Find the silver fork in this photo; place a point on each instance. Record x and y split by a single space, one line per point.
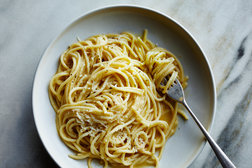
176 93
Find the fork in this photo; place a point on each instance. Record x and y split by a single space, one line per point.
176 93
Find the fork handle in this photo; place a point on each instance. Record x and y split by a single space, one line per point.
224 160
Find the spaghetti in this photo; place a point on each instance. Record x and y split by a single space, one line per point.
106 103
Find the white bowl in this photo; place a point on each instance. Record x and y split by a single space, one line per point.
183 147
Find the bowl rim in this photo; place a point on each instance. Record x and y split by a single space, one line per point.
133 6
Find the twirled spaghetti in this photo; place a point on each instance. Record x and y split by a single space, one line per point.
106 103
